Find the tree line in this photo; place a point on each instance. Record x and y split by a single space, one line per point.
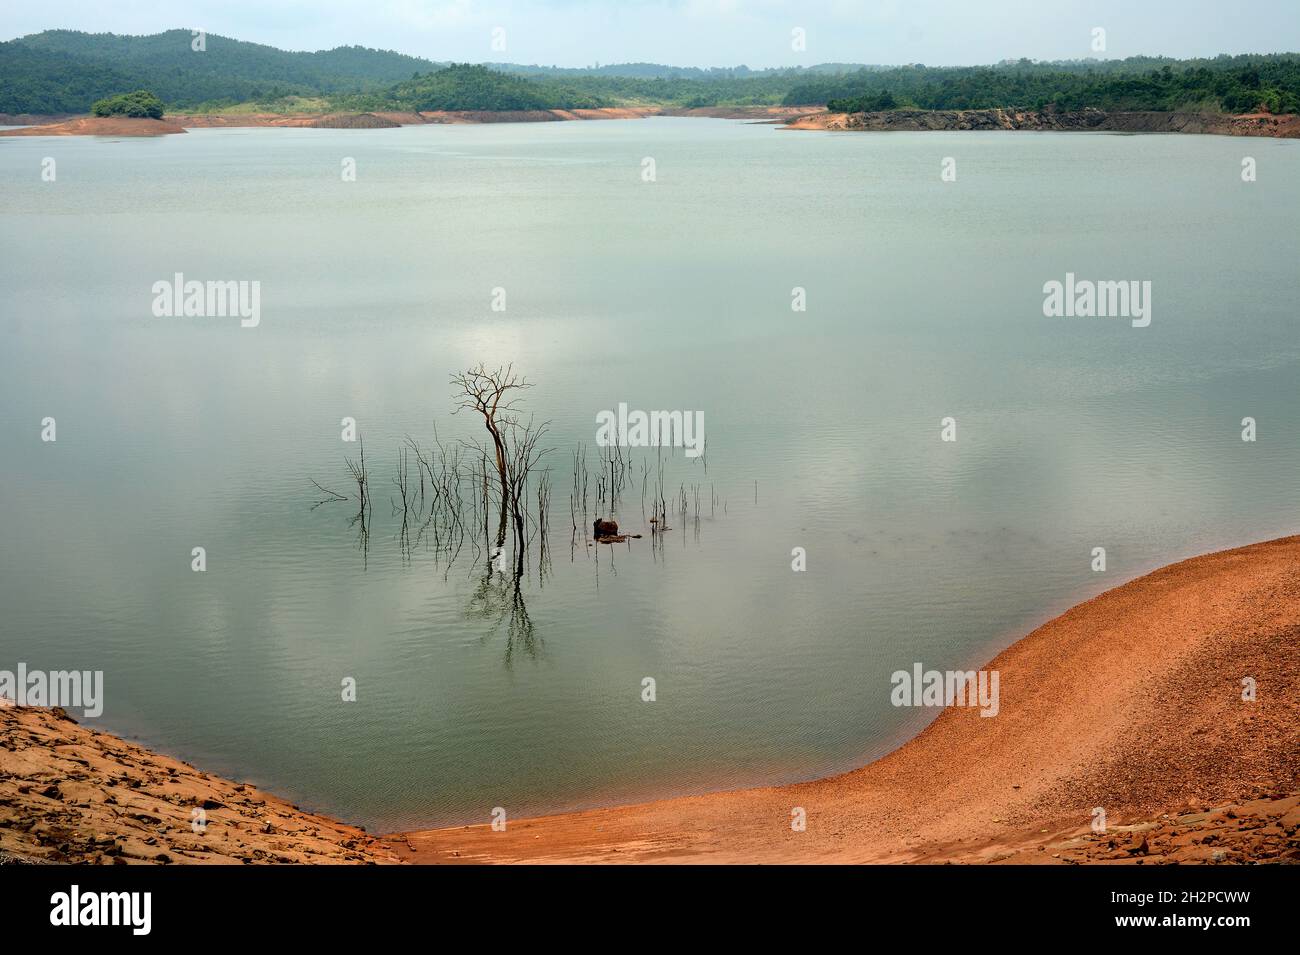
63 71
1225 84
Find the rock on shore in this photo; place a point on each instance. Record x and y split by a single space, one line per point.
354 121
71 794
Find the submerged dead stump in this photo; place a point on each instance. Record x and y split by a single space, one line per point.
606 532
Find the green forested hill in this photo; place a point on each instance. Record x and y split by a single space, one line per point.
37 81
463 86
64 71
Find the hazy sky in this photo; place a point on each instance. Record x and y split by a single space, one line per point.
702 32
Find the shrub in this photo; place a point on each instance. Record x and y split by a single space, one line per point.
140 104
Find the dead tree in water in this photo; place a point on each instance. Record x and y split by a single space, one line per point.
487 393
524 455
361 476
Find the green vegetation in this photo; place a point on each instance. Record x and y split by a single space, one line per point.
1233 84
32 81
463 86
141 105
739 87
1224 84
866 103
62 71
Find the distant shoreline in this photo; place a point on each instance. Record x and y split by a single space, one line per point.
34 125
114 126
788 117
1083 120
1131 701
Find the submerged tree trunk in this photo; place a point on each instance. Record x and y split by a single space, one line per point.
486 393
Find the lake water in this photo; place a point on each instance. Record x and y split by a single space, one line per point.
924 300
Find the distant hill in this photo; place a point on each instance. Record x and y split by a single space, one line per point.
41 81
464 86
65 71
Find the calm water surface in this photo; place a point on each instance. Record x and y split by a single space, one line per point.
924 300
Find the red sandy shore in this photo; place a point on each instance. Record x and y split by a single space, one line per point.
124 126
465 117
100 126
1131 701
411 118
